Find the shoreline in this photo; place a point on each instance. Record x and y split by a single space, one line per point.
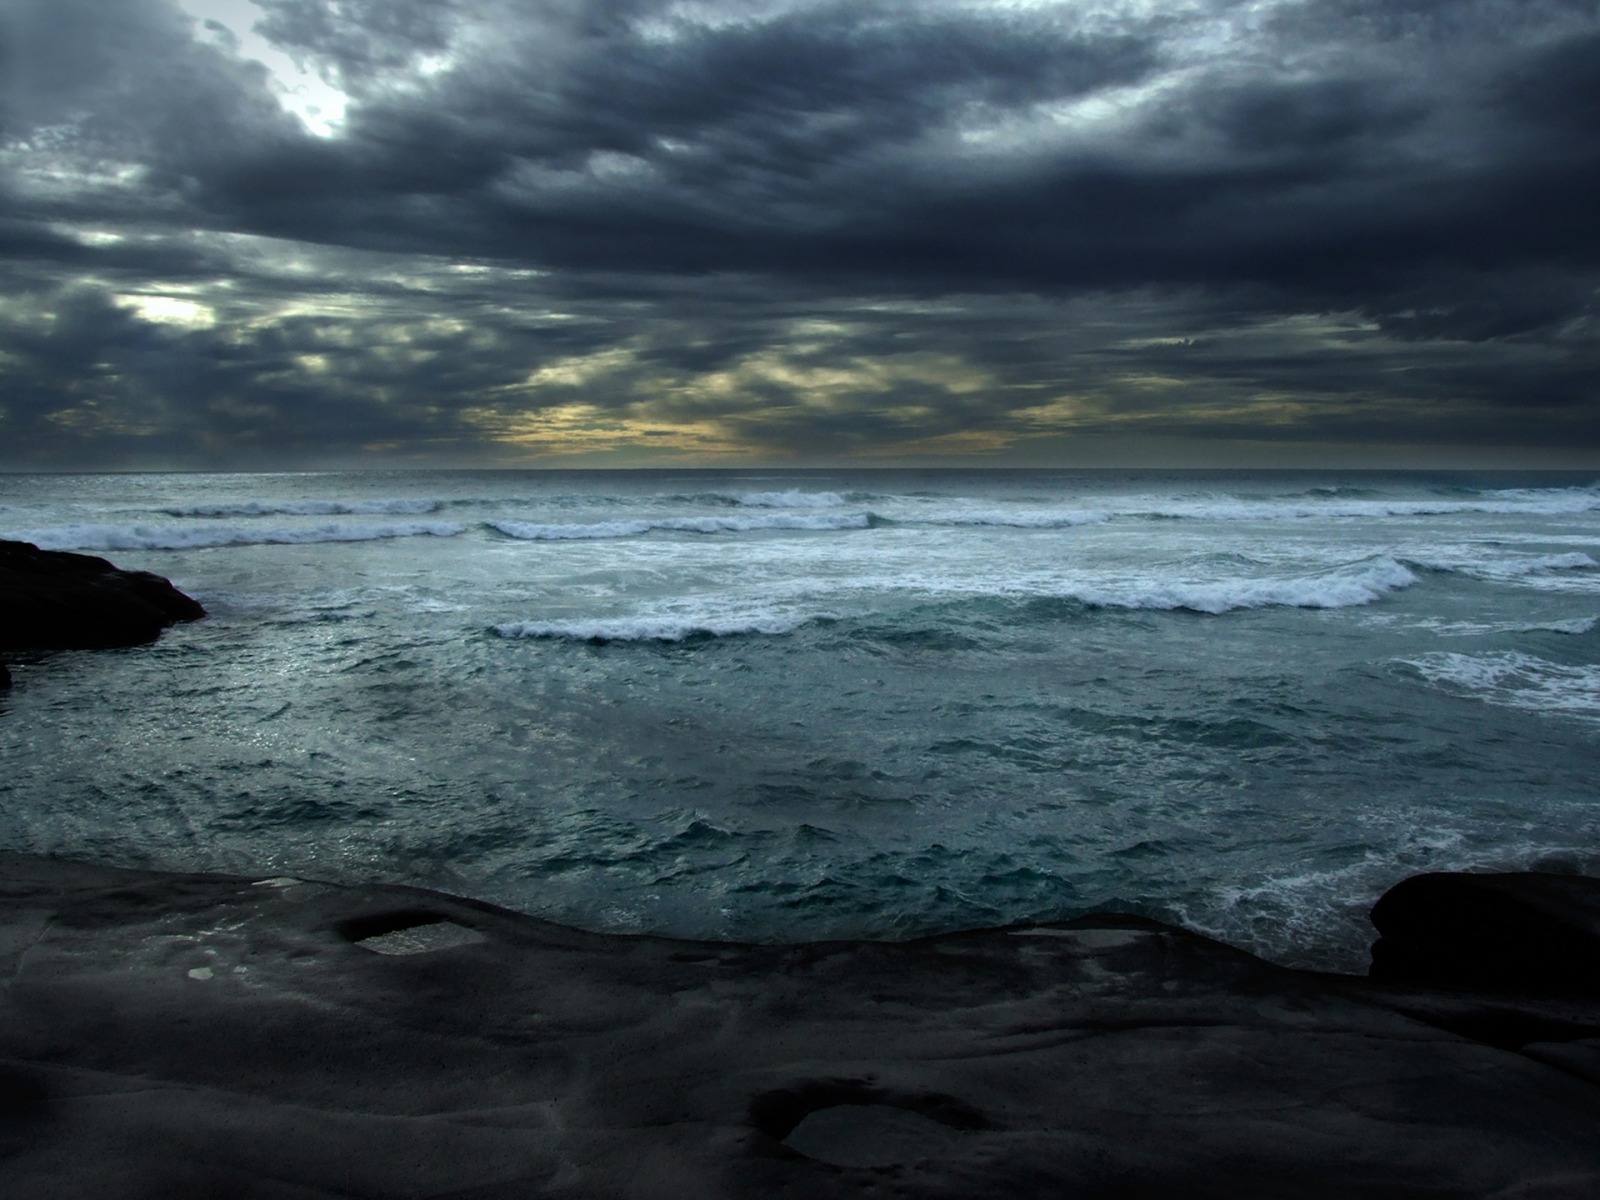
184 1035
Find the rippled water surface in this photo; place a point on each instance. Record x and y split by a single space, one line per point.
789 705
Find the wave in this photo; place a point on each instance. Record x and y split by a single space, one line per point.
1564 502
1573 626
651 629
1020 519
1510 567
1334 505
599 530
1338 590
790 499
1331 591
206 537
594 531
1577 625
1575 561
1544 570
305 508
1516 680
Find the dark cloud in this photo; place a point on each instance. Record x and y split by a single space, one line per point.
355 40
817 229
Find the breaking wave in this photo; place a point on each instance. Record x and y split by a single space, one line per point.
1516 680
789 499
1017 519
732 619
305 508
1527 502
1337 590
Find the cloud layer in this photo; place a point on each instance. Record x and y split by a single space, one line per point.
294 232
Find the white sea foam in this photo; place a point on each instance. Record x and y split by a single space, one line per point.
208 536
306 508
1517 680
1335 590
540 532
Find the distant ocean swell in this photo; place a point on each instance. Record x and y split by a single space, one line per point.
210 537
207 525
199 534
306 508
537 532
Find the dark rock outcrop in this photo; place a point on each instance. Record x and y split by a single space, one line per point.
52 600
1522 932
185 1036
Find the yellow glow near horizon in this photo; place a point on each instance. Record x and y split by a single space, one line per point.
584 429
724 412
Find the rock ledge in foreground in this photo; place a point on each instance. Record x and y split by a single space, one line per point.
186 1036
53 600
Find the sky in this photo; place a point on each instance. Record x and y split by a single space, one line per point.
264 234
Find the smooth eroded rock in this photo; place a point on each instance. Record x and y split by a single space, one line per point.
53 600
187 1036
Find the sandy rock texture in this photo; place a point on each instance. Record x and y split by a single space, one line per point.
187 1036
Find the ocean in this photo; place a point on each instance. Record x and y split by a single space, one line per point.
790 705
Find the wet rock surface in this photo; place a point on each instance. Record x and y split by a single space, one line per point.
53 600
176 1036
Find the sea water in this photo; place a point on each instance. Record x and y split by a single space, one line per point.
791 705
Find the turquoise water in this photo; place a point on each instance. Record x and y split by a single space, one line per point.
792 705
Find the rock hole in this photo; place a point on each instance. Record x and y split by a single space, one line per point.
854 1123
870 1135
407 931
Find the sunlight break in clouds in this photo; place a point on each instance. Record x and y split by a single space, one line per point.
230 25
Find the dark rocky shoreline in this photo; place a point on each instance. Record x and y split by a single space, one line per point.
200 1035
54 600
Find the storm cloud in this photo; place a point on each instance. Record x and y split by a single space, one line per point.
302 232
